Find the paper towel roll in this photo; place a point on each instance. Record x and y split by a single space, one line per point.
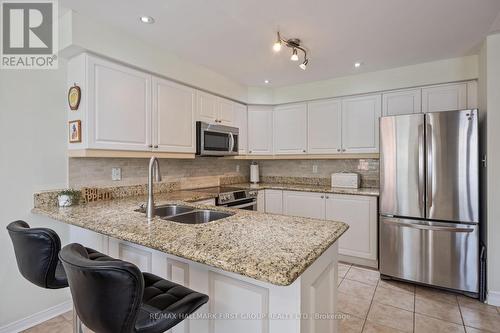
254 173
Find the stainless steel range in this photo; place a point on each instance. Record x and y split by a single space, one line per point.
234 197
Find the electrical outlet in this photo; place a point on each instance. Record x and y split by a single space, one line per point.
315 168
116 173
237 168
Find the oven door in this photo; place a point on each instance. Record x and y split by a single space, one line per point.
249 204
216 140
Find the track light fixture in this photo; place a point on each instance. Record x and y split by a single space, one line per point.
294 44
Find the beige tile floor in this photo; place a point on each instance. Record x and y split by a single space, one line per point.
371 305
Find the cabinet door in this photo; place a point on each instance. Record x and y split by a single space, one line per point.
402 102
360 212
261 201
173 117
290 129
226 112
360 124
304 204
207 107
260 130
324 132
119 106
446 97
140 256
274 201
240 121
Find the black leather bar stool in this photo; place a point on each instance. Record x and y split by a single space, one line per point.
37 251
112 295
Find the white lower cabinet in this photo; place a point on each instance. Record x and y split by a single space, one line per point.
360 212
261 201
274 201
313 292
304 204
360 243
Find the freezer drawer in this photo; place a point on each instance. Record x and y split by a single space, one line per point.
435 253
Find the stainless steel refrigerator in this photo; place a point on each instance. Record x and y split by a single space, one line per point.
429 200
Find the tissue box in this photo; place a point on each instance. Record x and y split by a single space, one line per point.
344 179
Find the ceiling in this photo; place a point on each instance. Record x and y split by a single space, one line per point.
235 37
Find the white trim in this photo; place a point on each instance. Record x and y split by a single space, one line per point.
493 298
37 318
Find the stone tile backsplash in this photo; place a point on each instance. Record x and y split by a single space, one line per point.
303 169
208 171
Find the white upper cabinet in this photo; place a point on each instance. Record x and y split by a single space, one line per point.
241 121
214 109
360 212
304 204
173 117
446 97
207 107
360 124
260 130
226 112
290 129
402 102
119 106
324 127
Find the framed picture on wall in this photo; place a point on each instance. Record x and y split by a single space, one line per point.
75 131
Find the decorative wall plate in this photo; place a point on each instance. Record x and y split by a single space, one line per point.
74 96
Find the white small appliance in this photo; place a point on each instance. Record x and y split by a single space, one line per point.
254 173
345 179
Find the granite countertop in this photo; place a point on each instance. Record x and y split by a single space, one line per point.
271 248
309 188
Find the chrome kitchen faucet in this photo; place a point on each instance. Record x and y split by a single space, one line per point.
154 167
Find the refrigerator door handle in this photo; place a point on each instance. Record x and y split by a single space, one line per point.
421 169
423 226
430 165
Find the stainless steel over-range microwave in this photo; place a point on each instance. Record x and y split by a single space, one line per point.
216 140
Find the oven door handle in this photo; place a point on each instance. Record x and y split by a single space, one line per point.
253 203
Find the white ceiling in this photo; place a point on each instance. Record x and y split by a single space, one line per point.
234 37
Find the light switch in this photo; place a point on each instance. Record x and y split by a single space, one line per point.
116 173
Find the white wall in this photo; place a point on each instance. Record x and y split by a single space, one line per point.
32 157
81 33
492 98
448 70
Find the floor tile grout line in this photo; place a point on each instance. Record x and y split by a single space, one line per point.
369 308
414 309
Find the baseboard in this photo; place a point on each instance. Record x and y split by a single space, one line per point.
493 298
358 261
37 318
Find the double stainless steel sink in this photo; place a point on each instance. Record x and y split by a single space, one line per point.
187 215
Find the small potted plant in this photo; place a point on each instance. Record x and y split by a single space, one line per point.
68 197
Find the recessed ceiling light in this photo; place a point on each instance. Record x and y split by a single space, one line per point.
357 64
147 19
266 81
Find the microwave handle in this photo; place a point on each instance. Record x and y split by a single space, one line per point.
231 142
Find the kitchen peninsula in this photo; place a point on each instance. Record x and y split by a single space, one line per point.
262 272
